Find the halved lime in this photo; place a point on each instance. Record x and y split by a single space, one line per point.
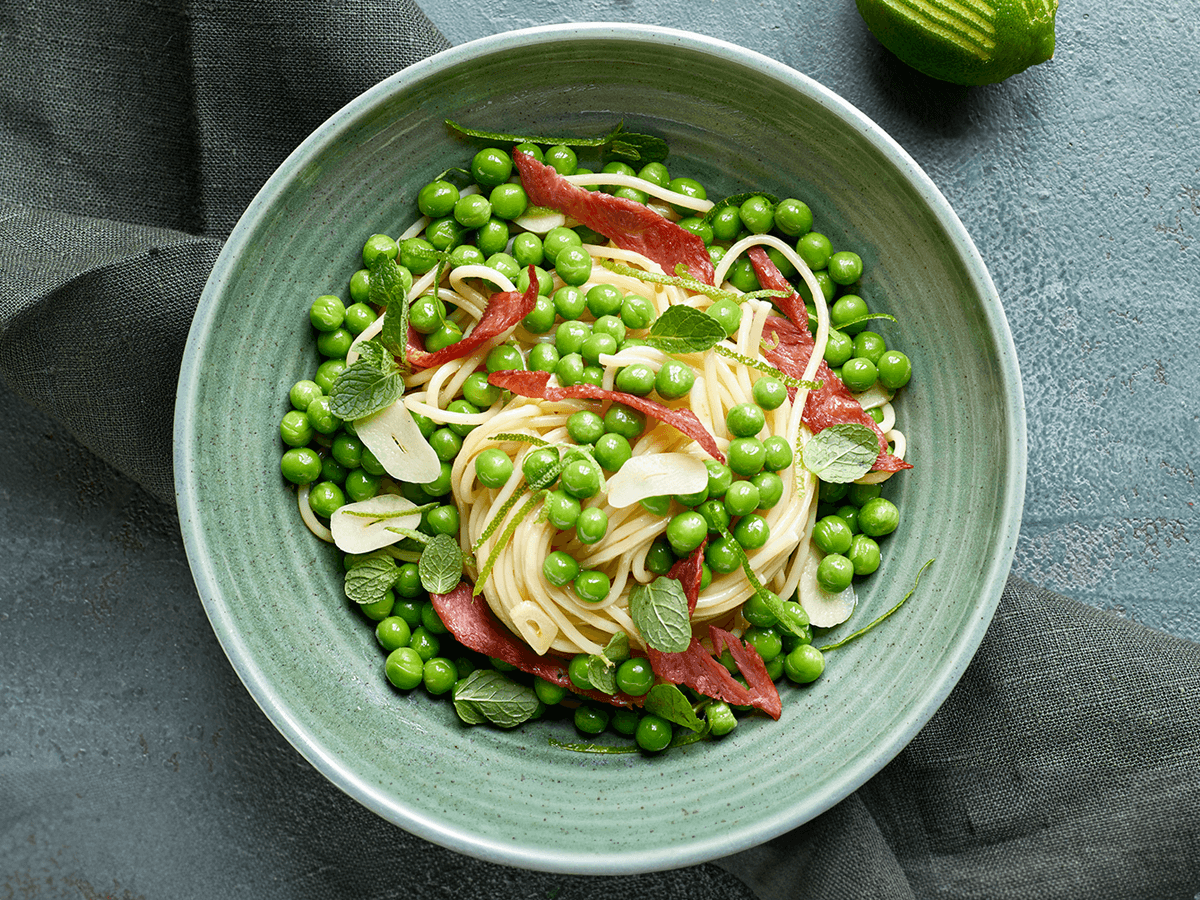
964 41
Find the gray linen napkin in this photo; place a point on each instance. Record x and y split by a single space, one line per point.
1065 764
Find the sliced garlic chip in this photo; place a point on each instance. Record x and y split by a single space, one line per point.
655 474
369 524
394 437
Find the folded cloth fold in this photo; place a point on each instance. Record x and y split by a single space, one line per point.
1065 764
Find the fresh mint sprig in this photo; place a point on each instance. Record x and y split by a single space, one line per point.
660 613
488 696
371 384
841 453
628 146
684 329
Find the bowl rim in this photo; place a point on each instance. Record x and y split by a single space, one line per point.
427 826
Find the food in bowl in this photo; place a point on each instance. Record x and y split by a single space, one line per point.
591 441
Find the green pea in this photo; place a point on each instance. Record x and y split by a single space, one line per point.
592 525
846 309
445 234
660 557
508 201
635 677
778 453
360 286
332 470
859 374
559 568
569 302
770 489
492 237
590 719
562 511
695 498
751 532
832 535
379 609
437 198
527 249
653 733
478 391
585 427
592 585
878 517
570 336
581 478
863 554
597 345
300 465
804 664
561 159
845 267
505 265
746 456
504 358
439 485
757 215
335 344
766 641
611 326
404 668
361 485
604 300
742 275
613 451
325 498
445 444
542 358
347 451
895 370
742 498
636 378
472 211
726 223
392 633
636 311
689 187
493 468
303 393
835 573
715 514
674 380
378 245
408 586
869 345
418 255
625 421
757 612
849 515
745 420
439 675
839 348
446 334
698 227
425 643
491 166
574 265
815 249
328 372
558 239
658 506
793 217
548 692
321 418
720 477
538 466
727 313
536 152
569 369
686 531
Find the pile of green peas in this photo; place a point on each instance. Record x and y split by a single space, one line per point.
575 324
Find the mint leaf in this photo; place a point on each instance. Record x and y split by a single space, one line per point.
841 453
440 567
617 650
684 329
371 384
602 674
660 612
738 200
669 702
488 694
627 146
370 579
389 286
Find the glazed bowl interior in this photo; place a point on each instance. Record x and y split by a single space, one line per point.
737 122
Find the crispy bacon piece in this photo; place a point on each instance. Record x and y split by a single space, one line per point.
627 223
698 669
536 384
688 572
473 625
503 311
790 345
763 693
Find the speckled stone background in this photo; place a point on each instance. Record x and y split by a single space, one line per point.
139 751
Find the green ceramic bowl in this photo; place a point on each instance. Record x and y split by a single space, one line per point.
273 593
